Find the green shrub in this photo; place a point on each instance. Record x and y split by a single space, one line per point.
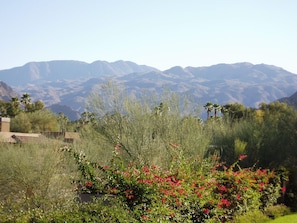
255 216
277 211
185 192
97 211
34 176
145 127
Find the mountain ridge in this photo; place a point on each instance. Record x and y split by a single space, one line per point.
70 82
36 72
6 92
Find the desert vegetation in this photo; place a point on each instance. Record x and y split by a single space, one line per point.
153 159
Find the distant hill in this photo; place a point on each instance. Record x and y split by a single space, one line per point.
68 83
6 92
292 100
39 72
71 114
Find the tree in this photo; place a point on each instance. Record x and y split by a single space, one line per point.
234 110
88 117
3 107
209 107
37 106
26 101
39 121
63 121
21 123
13 107
43 121
279 141
216 108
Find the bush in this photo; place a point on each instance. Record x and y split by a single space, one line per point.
255 216
184 192
96 211
34 176
277 211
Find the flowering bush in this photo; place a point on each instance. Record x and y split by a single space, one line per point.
185 192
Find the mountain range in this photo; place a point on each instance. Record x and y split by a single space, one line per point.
6 92
64 85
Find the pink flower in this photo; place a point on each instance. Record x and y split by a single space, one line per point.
242 157
283 189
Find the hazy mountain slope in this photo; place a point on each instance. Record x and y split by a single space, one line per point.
71 114
70 82
242 82
40 72
292 100
6 92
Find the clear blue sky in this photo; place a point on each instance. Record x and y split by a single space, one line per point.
158 33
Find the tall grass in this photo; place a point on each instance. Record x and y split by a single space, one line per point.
34 176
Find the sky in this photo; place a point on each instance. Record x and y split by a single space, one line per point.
157 33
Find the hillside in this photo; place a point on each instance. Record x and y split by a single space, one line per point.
70 82
292 100
6 92
39 72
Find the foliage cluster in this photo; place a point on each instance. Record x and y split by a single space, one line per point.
27 116
15 106
163 166
34 177
184 192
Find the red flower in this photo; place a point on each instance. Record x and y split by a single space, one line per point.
145 217
261 184
198 194
223 188
206 211
225 202
178 203
129 194
145 169
283 189
89 184
182 192
242 157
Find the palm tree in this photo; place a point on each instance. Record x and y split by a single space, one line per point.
209 107
15 102
216 108
26 100
88 117
62 120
